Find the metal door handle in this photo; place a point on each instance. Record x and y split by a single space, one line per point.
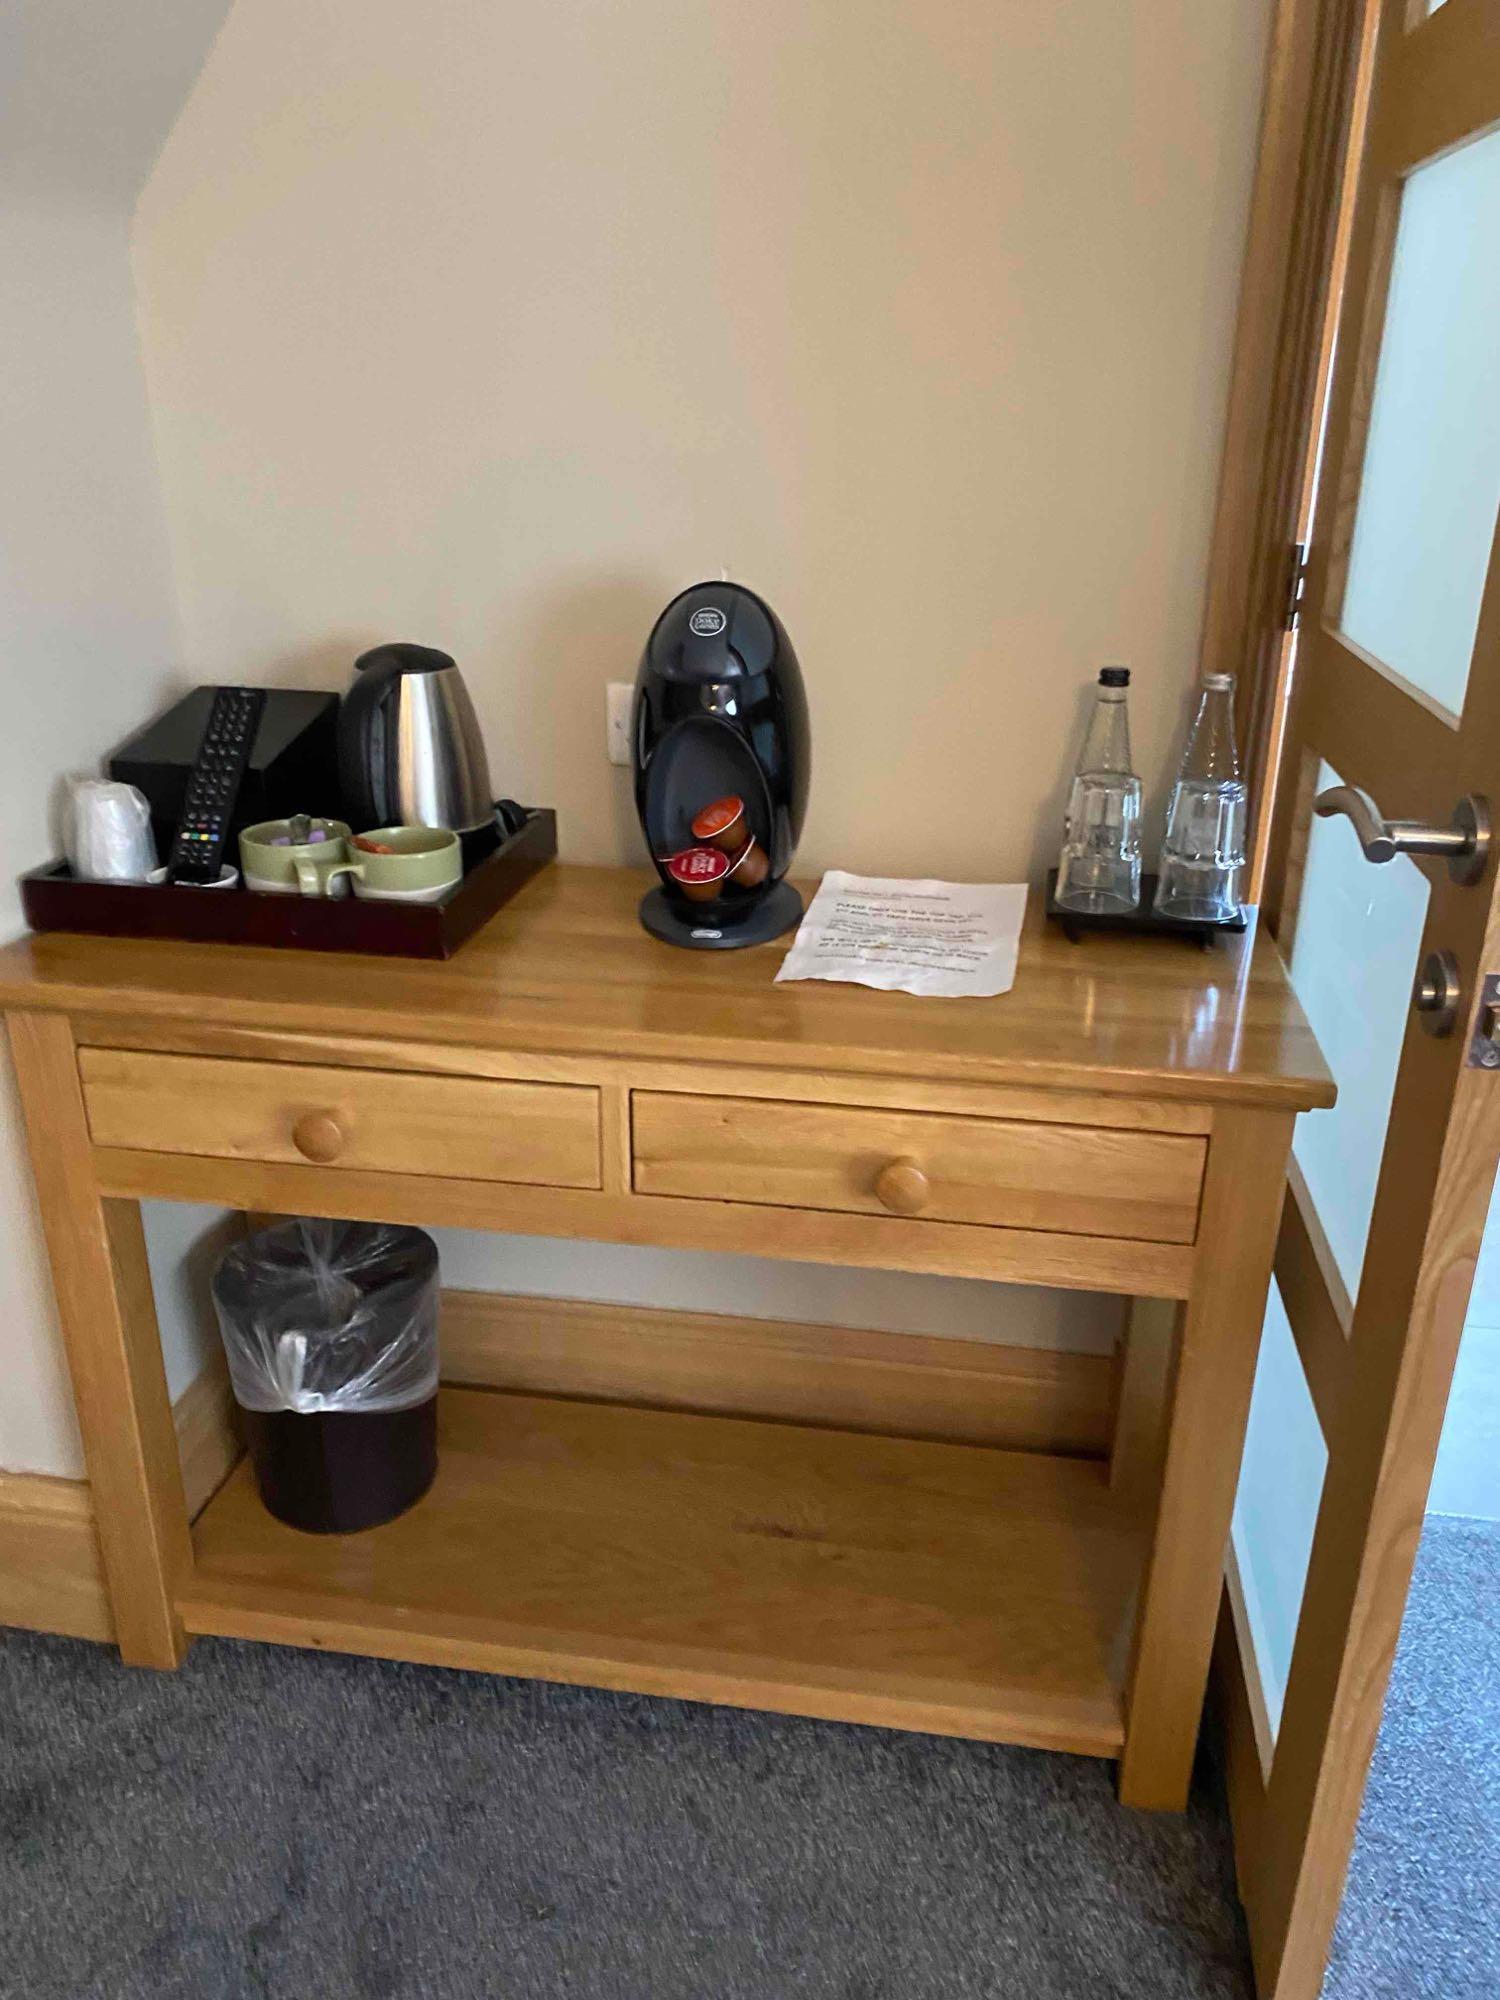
1465 842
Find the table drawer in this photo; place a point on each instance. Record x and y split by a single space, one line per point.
1075 1179
465 1128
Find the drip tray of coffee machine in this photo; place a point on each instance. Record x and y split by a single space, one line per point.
769 917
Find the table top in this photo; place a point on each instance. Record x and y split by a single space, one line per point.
566 968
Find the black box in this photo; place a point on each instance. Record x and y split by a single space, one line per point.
293 763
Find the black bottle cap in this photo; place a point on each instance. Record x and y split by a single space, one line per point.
1114 677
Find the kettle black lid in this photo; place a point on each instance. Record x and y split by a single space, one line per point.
402 657
714 632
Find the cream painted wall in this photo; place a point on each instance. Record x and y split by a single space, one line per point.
494 326
88 629
766 1288
89 644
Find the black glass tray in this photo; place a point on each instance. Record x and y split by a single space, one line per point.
1142 921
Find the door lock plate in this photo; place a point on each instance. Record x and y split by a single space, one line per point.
1435 995
1484 1049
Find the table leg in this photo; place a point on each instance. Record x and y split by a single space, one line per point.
97 1251
1215 1371
1143 1396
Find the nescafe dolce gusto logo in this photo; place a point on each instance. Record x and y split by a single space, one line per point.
708 621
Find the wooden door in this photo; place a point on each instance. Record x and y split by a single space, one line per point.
1395 717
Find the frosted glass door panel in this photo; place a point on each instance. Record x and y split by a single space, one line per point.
1354 958
1276 1508
1431 480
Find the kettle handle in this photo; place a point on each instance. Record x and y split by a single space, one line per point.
366 732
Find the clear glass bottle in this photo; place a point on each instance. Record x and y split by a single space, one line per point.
1099 868
1203 854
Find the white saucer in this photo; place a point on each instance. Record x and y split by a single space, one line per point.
259 885
227 878
436 893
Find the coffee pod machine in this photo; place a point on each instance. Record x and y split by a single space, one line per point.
720 748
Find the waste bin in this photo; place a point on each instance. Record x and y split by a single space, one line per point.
331 1333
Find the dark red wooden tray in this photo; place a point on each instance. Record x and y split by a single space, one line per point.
53 901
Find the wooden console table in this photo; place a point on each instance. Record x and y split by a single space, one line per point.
1119 1122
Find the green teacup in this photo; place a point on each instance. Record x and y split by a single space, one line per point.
310 868
426 864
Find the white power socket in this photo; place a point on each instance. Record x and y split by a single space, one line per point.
618 697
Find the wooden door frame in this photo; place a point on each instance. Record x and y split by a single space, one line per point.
1282 345
1382 1416
1296 243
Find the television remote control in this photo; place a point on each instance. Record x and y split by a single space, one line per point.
214 784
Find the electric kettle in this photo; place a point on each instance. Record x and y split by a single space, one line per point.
410 751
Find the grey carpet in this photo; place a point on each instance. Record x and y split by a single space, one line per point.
268 1822
1421 1915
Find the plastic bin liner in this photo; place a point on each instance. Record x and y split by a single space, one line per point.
322 1316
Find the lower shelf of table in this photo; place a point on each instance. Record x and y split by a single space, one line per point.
949 1588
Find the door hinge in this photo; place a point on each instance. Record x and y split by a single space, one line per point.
1296 585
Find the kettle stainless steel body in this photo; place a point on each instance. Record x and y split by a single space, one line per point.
410 751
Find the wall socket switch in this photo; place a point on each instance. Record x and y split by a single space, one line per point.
618 697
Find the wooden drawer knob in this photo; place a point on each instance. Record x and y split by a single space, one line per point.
902 1187
318 1136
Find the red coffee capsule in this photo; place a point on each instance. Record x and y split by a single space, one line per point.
751 867
698 872
723 825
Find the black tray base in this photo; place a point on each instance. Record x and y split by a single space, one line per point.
1142 921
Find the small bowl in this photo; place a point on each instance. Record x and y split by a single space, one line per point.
405 864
